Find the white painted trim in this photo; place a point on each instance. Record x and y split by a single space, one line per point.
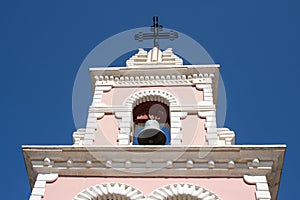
162 95
225 136
211 135
262 188
78 137
38 190
85 137
254 179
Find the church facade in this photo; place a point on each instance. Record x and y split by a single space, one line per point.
151 133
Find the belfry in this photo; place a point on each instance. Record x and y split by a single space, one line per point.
151 133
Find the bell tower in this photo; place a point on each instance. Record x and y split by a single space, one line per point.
153 102
151 133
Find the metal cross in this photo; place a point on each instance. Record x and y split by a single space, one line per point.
156 34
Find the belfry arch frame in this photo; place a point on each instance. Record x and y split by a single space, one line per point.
154 94
151 95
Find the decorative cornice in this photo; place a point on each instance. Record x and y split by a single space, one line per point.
149 83
153 161
150 80
155 75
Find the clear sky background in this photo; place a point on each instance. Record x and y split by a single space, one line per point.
43 43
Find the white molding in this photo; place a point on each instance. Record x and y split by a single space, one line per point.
159 82
225 136
78 137
254 179
107 190
211 135
38 190
153 80
149 95
183 191
98 92
49 178
262 188
208 97
86 136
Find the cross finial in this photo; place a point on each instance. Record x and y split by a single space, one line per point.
156 34
155 21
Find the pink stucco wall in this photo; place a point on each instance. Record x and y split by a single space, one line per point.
65 188
185 95
107 131
193 130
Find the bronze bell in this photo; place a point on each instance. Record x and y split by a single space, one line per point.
151 134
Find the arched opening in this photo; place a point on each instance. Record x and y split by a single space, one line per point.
128 128
151 124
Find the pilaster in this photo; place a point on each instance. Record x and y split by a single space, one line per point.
86 136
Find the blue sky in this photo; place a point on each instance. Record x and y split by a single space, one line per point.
43 44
